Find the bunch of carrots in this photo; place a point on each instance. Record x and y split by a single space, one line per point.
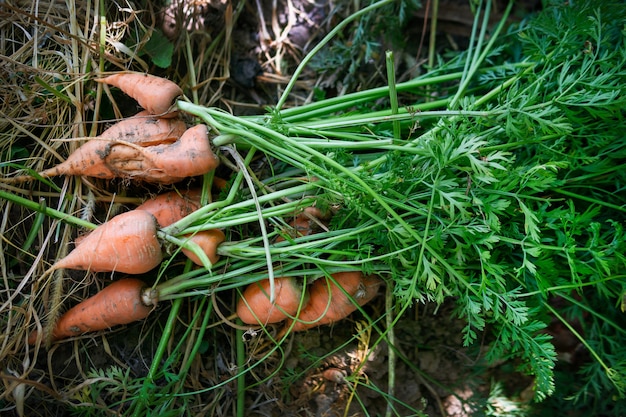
155 146
325 301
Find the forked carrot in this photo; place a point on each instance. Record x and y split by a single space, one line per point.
328 303
145 129
189 156
91 158
124 301
155 94
126 243
208 240
254 306
163 163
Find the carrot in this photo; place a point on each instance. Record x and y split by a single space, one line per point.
126 243
145 129
189 156
90 159
167 208
162 163
219 184
254 306
87 160
305 223
155 94
208 240
328 303
170 207
122 302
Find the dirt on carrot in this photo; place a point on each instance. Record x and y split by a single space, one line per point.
189 156
328 303
124 301
254 306
164 163
146 130
127 243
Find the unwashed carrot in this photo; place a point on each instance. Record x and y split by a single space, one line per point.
254 306
87 160
189 156
208 240
328 303
126 243
163 163
155 94
170 207
124 301
91 158
145 129
167 208
309 221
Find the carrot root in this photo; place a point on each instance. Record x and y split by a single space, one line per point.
155 94
208 240
254 306
163 163
329 304
170 207
189 156
127 243
124 301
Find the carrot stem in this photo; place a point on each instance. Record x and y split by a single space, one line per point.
321 44
42 208
268 257
393 94
241 376
158 356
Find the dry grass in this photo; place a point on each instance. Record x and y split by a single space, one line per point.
51 52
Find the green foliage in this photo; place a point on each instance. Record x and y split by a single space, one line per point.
159 49
517 195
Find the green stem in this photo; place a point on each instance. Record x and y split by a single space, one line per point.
393 94
336 104
43 208
158 356
391 353
321 44
241 376
580 338
589 199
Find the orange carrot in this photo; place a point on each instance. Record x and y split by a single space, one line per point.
305 223
170 207
328 303
219 183
155 94
208 240
122 302
87 160
126 243
254 306
90 159
145 129
163 163
189 156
